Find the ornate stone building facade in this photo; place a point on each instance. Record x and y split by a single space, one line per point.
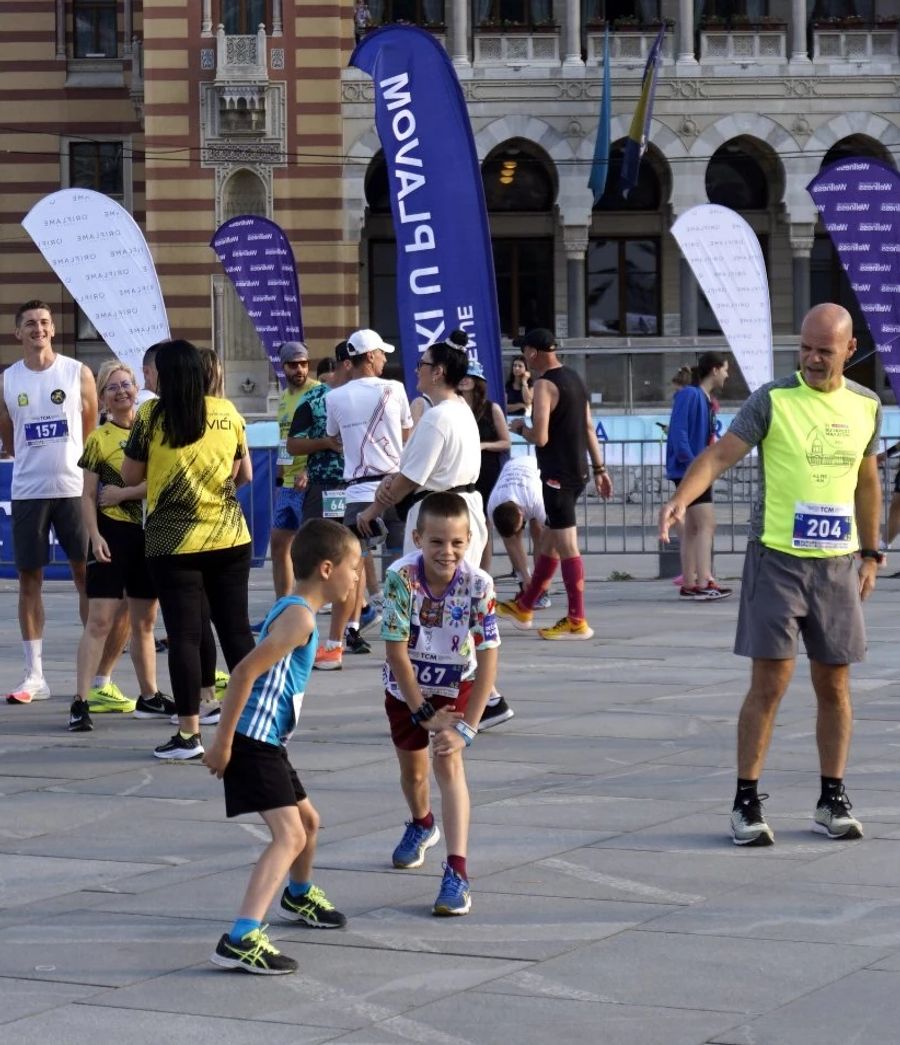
190 113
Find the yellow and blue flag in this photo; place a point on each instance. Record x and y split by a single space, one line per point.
638 134
600 166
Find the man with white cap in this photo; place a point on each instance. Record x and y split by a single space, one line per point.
287 514
371 416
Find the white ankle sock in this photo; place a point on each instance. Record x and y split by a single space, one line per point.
101 680
34 664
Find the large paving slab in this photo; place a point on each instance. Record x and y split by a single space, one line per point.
609 905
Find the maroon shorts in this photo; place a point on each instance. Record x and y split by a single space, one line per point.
409 737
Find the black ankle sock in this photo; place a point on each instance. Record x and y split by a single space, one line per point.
746 789
831 786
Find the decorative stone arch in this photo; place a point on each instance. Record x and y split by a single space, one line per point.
359 156
243 190
531 129
867 124
744 125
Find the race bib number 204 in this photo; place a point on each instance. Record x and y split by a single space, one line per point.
823 527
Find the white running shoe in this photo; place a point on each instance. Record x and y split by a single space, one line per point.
30 689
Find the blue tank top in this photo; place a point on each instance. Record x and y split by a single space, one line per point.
273 708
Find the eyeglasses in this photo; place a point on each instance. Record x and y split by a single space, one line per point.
122 386
424 362
297 362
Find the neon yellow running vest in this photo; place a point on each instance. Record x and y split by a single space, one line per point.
287 407
811 455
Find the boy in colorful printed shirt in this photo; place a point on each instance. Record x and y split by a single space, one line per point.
441 640
259 714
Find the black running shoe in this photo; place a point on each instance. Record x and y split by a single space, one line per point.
178 747
494 714
313 909
79 717
253 954
157 706
162 645
355 643
748 825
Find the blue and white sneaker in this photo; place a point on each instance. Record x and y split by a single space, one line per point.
454 897
369 617
543 602
411 850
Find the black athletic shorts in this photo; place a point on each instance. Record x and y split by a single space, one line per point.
259 777
704 498
127 573
559 504
31 522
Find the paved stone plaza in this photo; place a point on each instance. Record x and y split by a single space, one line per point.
609 905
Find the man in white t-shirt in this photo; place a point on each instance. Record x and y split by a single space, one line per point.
516 502
371 417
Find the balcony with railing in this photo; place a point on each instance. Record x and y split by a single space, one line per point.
839 44
241 59
516 45
742 43
629 42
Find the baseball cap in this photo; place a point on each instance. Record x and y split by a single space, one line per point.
292 350
475 370
362 341
541 338
340 352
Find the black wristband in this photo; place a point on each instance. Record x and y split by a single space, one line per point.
872 553
279 481
425 711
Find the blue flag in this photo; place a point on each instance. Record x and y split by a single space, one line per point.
258 259
445 266
639 132
600 167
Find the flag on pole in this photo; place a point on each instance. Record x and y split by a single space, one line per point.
600 166
638 134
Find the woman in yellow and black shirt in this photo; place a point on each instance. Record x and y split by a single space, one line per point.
189 448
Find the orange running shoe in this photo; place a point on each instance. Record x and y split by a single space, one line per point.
328 659
513 611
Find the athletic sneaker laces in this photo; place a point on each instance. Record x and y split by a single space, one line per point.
354 642
313 909
253 953
748 825
833 817
157 706
415 841
179 747
454 897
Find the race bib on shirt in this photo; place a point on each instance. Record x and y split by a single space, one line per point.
50 430
436 676
333 504
824 527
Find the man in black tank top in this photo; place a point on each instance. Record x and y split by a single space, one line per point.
563 435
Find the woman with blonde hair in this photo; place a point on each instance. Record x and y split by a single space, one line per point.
116 566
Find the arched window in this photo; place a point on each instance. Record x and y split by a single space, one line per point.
646 195
377 196
243 17
857 145
517 178
735 178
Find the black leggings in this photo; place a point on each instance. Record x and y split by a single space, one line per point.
194 589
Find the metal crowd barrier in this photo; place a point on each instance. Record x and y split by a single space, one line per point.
624 525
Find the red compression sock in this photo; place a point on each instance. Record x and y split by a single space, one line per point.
573 578
458 864
544 569
426 821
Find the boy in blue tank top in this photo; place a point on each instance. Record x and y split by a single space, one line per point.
259 713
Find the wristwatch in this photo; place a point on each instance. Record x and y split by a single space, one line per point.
873 553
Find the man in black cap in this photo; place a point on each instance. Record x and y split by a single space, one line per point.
287 513
562 432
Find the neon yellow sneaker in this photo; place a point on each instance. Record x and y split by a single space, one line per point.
565 628
513 611
252 953
109 698
222 678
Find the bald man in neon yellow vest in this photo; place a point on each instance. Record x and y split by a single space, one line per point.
812 556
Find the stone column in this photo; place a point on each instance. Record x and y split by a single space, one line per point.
277 19
127 28
206 26
684 44
687 296
799 49
573 63
575 241
61 29
460 26
802 237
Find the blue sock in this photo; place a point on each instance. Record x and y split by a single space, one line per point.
241 927
298 889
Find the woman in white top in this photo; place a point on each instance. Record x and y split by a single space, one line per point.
444 451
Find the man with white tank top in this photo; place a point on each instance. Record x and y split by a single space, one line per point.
47 407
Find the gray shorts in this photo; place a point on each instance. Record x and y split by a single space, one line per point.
784 596
394 542
31 522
